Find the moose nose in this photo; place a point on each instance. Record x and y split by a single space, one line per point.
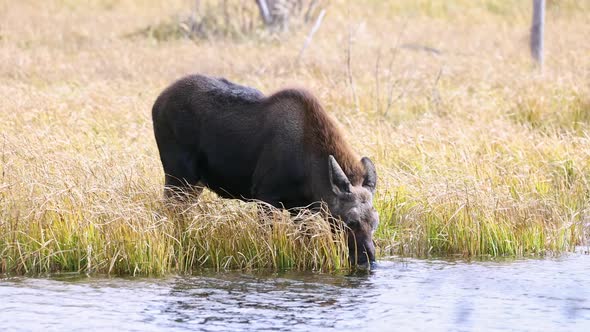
365 257
370 251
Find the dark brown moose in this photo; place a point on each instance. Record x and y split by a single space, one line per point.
283 150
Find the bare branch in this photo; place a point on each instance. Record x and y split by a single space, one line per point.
315 28
310 8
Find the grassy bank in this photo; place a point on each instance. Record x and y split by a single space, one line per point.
478 153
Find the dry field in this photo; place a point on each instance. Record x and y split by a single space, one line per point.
478 153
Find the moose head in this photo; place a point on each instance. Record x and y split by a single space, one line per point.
353 204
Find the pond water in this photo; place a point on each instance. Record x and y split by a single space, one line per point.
400 295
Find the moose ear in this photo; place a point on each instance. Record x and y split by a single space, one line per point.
370 180
338 180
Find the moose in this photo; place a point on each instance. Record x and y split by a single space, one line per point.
284 150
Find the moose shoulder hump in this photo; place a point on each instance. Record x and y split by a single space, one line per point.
322 133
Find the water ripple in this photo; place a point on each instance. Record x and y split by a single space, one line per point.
439 295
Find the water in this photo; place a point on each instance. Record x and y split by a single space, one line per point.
400 295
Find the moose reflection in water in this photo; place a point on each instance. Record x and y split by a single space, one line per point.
284 150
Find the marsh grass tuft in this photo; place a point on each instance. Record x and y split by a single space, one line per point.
208 20
233 20
148 236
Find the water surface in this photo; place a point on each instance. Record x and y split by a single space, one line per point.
401 294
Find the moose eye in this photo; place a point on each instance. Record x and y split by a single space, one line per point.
353 222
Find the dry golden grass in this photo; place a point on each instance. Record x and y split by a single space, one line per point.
477 152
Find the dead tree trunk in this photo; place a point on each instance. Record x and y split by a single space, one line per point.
537 30
265 12
276 14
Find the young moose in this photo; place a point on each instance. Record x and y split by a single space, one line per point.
283 150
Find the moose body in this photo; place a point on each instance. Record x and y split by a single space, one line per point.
283 149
